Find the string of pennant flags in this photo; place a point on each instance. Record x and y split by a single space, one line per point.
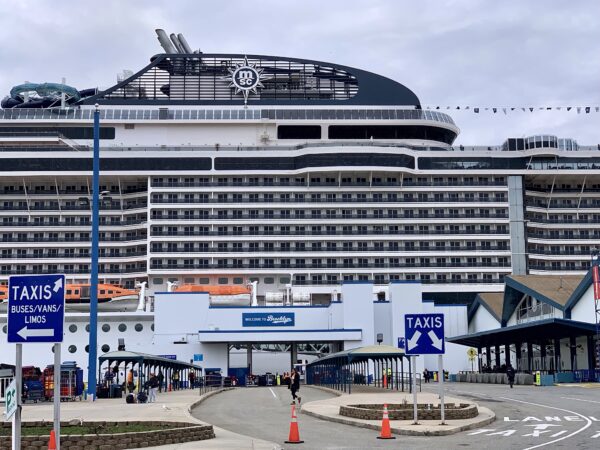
510 109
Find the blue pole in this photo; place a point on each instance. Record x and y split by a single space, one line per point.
93 343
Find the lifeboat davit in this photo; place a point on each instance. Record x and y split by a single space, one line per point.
221 295
77 298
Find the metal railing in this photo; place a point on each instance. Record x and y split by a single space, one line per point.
344 380
209 383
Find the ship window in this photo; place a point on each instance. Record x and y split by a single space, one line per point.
87 348
122 327
106 328
152 327
72 349
284 280
139 327
203 281
105 348
4 329
188 280
299 132
72 328
69 292
87 328
223 280
391 132
102 291
269 280
238 280
157 281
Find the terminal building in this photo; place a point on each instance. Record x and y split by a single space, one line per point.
239 186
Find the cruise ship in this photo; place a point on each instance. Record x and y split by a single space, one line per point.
290 175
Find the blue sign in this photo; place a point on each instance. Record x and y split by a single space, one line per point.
424 334
36 308
401 342
280 319
173 357
198 357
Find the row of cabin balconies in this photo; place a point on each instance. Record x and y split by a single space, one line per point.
50 189
584 202
564 219
55 221
560 265
543 234
329 263
424 278
325 214
330 230
82 253
67 206
68 238
329 198
325 181
68 269
331 247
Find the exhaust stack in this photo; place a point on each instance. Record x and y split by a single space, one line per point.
184 44
165 43
176 43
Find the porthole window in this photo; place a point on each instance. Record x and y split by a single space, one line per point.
72 349
87 328
105 327
122 327
105 348
4 329
87 348
152 327
139 327
73 328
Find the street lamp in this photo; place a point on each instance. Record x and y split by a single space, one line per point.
93 338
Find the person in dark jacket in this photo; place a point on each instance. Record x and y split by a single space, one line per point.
510 374
295 386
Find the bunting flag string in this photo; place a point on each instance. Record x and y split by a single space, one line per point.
509 109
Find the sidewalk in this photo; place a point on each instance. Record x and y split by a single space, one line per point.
329 410
170 406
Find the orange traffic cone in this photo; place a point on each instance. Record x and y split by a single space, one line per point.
386 431
294 437
52 442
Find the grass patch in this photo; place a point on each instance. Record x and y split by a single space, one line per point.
87 429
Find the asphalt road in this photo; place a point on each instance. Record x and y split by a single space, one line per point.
527 418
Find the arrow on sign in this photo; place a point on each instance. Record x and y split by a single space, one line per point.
38 332
435 341
58 284
412 342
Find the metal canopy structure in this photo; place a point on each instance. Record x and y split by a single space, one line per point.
537 331
344 369
146 364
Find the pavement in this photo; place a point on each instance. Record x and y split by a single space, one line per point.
527 417
172 406
328 409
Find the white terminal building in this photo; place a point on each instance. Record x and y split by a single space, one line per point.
270 205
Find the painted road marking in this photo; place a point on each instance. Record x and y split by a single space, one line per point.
580 400
274 395
585 427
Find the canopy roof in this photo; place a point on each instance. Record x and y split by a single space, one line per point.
372 352
537 331
145 358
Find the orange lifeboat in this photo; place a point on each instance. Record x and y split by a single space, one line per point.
221 295
77 297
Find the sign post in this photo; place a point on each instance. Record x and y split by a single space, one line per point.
36 314
425 336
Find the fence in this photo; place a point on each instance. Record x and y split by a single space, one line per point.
211 383
4 382
345 380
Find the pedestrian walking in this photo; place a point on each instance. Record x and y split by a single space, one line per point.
130 385
160 378
176 380
152 388
510 374
295 386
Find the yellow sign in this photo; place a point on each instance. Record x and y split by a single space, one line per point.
471 353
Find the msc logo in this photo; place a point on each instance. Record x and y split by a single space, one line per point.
245 77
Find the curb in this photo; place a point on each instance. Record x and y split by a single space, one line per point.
203 398
326 389
402 431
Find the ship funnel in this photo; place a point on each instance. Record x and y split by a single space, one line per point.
164 41
142 300
184 44
176 43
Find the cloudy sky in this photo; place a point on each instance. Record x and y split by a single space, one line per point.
482 53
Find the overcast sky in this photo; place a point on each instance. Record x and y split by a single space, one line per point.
449 52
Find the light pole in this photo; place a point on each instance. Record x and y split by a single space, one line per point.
93 342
